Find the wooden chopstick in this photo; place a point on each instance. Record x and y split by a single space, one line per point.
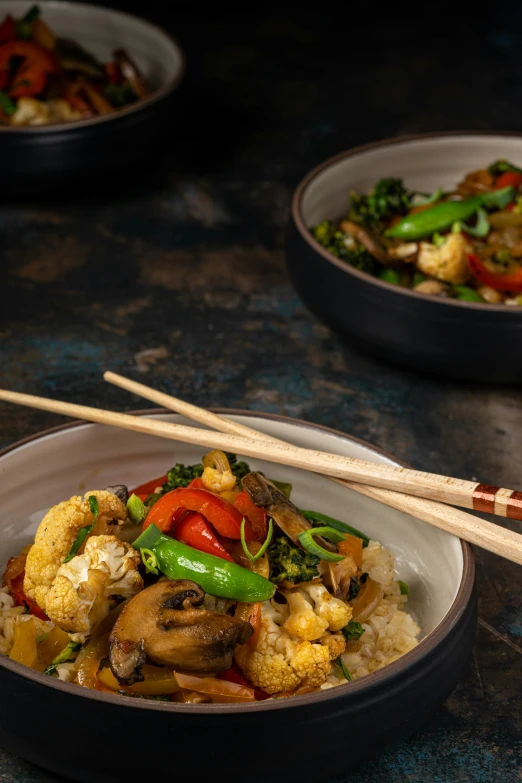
412 482
480 532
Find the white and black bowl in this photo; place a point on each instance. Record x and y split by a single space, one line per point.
96 737
478 342
72 152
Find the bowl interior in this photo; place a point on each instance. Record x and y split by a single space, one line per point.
424 164
51 468
101 30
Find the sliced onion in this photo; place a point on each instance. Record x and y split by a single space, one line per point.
218 690
90 657
367 601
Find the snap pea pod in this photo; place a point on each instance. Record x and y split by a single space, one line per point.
442 216
213 574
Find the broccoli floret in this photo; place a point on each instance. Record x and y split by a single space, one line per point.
335 242
119 94
388 198
289 562
501 166
353 630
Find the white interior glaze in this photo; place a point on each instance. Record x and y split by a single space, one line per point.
101 30
423 164
45 471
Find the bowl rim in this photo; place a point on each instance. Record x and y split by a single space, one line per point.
139 105
424 648
391 141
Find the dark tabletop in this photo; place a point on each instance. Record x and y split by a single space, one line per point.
177 278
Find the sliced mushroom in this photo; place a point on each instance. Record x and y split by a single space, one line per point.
264 494
370 242
165 623
120 490
75 58
130 72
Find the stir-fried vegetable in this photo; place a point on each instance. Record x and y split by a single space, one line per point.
291 563
45 78
215 575
463 244
308 542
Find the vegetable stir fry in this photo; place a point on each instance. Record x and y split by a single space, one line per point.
46 79
464 244
205 585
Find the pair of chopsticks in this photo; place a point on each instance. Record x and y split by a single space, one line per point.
422 495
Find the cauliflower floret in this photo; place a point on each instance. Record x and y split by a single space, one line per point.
56 534
281 664
83 590
335 642
448 262
334 612
302 621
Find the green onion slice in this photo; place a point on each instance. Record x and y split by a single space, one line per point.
306 539
83 532
263 549
405 590
420 200
136 509
150 561
148 538
339 661
315 516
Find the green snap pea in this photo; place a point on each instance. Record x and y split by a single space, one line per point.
389 276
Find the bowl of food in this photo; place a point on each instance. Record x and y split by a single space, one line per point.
84 90
200 606
412 249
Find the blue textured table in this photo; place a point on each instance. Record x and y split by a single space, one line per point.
177 278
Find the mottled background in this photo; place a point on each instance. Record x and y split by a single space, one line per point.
175 276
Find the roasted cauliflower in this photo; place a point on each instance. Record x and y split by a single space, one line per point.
449 262
57 532
313 610
84 589
280 663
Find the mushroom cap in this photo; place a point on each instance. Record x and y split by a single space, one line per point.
165 623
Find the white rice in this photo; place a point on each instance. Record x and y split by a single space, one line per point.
390 632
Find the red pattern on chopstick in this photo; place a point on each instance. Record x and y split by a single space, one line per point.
484 498
514 506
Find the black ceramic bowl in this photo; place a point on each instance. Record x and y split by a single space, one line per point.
99 738
69 153
477 342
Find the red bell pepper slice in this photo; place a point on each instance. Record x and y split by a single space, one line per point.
508 179
17 591
149 486
234 674
220 513
255 515
31 75
7 30
510 281
194 530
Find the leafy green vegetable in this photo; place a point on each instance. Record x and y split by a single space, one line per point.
136 509
501 166
418 277
83 532
335 242
389 276
353 631
7 105
150 561
466 294
405 590
341 664
262 549
119 95
290 562
388 198
66 656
